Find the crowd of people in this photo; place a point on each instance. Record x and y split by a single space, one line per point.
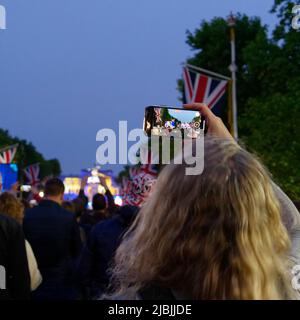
66 248
229 233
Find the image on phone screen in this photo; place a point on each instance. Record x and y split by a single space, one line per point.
163 121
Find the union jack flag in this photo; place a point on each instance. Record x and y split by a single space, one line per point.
199 87
157 114
136 189
7 154
32 173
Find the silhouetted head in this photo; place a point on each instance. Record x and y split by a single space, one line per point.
99 202
54 190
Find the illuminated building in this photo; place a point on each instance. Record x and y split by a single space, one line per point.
93 185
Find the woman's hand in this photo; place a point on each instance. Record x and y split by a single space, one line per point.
215 124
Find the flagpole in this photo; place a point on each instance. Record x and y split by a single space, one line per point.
233 69
214 74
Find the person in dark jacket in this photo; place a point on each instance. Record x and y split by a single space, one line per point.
55 239
103 207
98 213
97 255
14 273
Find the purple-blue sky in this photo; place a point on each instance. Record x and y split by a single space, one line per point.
71 67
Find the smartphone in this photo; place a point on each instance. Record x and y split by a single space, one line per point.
25 188
164 120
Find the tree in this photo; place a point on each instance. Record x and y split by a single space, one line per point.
273 125
268 86
212 45
283 10
271 121
27 155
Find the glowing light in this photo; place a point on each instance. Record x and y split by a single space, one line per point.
93 180
72 185
25 188
118 201
94 172
33 202
41 194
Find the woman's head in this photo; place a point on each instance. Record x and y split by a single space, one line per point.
11 206
217 235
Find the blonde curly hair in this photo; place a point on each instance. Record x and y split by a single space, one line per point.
11 206
218 235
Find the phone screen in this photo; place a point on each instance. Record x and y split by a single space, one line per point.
25 188
164 120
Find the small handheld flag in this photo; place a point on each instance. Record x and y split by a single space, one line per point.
7 154
32 173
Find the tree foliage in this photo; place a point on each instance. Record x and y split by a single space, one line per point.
283 10
211 42
268 86
27 155
273 125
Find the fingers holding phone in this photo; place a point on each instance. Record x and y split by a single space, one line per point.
215 125
166 121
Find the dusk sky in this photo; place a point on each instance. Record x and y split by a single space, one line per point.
71 67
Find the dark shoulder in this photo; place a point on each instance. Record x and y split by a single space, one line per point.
8 225
56 212
31 211
7 221
107 224
66 214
